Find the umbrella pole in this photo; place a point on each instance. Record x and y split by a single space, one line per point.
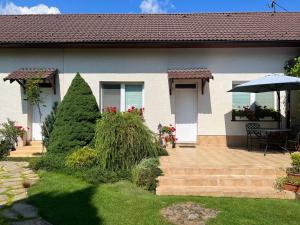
278 109
288 111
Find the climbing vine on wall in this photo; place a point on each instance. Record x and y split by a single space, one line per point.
33 91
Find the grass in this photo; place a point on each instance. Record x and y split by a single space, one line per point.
66 200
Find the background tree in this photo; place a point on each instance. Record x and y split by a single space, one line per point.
74 126
292 68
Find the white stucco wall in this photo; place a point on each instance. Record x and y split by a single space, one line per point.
149 66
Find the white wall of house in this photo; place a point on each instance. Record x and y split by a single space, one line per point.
150 67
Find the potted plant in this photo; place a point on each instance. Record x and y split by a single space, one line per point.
291 182
167 135
22 136
294 171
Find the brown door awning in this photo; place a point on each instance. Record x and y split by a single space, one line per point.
197 73
27 73
21 75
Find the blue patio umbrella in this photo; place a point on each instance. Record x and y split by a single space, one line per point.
269 83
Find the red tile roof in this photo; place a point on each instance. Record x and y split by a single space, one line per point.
151 28
26 73
196 73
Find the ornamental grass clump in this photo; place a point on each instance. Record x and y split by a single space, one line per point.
123 140
76 116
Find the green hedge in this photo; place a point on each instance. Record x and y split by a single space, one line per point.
74 126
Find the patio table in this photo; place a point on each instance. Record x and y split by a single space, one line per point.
275 140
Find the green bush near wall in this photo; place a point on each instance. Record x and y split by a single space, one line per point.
74 126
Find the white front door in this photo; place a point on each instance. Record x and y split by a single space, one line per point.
186 113
45 107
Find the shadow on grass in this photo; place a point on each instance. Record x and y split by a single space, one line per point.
74 208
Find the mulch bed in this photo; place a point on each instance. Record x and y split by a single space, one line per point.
189 213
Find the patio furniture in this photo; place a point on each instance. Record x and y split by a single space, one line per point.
253 133
274 137
295 142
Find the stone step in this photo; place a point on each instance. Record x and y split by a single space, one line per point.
216 191
218 180
188 171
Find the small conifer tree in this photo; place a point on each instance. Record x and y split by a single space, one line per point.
74 126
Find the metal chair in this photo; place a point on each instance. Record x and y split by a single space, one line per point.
252 133
295 142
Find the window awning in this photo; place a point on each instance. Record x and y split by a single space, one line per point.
21 75
196 73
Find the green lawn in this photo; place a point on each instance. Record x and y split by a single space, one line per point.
65 200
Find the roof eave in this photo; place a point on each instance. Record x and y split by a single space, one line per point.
154 44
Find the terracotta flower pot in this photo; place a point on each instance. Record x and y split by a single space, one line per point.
22 140
294 175
292 187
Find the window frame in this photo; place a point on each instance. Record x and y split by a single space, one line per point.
252 96
122 93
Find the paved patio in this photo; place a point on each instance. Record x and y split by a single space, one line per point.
217 156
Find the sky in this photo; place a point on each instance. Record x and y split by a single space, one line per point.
141 6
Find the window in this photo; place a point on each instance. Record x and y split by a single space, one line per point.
133 96
265 99
122 96
242 99
111 95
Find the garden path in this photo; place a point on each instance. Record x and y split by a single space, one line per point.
15 177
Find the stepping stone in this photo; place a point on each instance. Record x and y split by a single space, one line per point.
19 197
3 190
17 191
25 210
9 214
38 221
3 199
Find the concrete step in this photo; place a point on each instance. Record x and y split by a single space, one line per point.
35 143
218 180
25 154
230 191
29 148
188 171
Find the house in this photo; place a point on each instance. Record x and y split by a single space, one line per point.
179 67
